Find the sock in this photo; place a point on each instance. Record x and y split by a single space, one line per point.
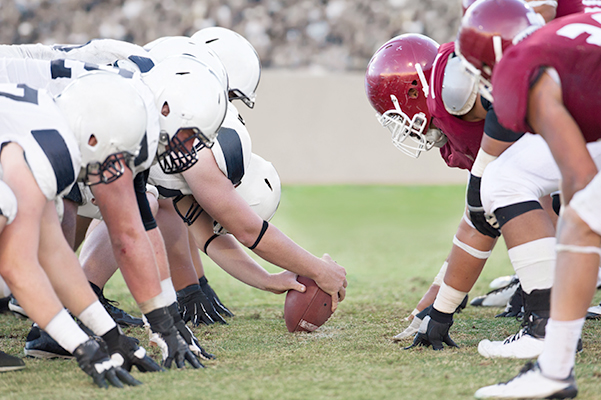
65 331
168 291
97 319
534 263
448 299
558 357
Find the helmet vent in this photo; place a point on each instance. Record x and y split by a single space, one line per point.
182 73
211 41
268 184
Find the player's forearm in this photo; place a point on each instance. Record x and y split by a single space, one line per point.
227 253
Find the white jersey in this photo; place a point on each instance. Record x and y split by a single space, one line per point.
30 118
55 75
98 51
232 151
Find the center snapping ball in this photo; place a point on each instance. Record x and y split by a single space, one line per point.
305 312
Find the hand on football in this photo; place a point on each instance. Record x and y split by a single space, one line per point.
283 282
332 280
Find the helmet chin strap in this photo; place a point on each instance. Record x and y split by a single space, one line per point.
422 78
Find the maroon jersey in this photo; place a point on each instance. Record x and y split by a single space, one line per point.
567 7
571 45
463 137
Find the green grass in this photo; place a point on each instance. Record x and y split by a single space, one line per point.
392 241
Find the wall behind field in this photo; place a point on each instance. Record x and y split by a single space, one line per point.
320 129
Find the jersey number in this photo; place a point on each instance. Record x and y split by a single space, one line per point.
28 95
572 31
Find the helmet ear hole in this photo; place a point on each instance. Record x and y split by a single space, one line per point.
413 93
92 141
165 109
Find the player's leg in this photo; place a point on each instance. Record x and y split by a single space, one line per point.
511 187
194 304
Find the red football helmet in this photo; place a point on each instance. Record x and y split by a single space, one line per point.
487 29
465 4
396 83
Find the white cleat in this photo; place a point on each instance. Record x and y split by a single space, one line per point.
497 297
520 345
502 281
530 383
409 332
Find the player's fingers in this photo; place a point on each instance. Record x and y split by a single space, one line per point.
345 284
334 302
341 293
299 287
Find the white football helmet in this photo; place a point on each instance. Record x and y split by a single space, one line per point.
192 103
108 119
240 59
168 46
261 188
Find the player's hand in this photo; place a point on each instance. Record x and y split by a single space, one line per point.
187 335
125 352
332 280
433 333
196 307
172 345
486 225
284 281
94 360
212 296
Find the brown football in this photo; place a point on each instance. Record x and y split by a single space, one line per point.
305 312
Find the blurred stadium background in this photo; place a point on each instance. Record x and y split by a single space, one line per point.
312 119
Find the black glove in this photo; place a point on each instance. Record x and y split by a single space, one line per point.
94 360
195 306
125 352
187 335
434 333
171 343
212 296
476 211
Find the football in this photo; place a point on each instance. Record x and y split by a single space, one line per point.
305 312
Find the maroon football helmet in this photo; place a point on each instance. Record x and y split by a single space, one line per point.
487 29
396 83
465 4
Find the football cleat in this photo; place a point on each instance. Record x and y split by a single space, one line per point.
16 309
121 317
10 363
530 383
519 345
501 282
497 297
528 342
515 305
40 345
594 312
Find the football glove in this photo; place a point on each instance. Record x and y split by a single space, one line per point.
173 347
486 225
195 306
433 333
187 335
212 296
125 352
94 360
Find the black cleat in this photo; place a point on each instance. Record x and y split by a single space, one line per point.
40 345
10 363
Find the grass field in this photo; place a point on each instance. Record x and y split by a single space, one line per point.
392 241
